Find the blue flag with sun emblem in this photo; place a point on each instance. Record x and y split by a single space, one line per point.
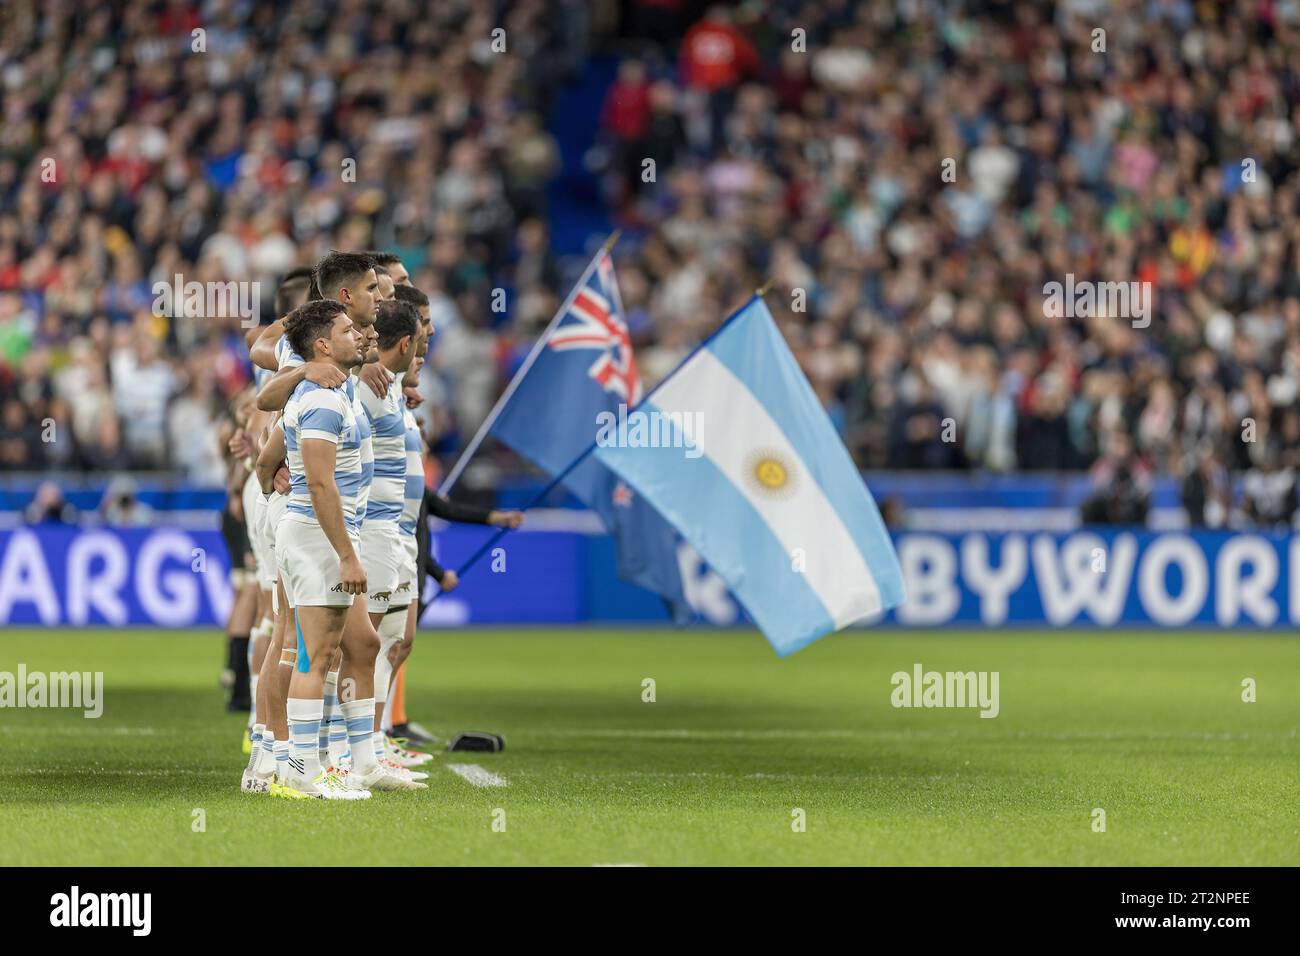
583 375
762 486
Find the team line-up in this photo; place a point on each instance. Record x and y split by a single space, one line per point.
335 509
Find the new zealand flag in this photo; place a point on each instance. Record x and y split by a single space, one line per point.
587 368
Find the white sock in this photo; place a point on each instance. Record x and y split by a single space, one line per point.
381 745
331 701
258 731
265 764
304 728
360 717
280 750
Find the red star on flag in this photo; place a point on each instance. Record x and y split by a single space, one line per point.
622 495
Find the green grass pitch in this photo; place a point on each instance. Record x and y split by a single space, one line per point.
1149 727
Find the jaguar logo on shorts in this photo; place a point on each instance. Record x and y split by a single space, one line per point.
338 587
381 596
404 586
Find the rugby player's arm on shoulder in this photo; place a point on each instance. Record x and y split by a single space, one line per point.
275 393
262 349
377 377
374 405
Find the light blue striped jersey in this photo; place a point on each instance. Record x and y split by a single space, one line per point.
388 437
327 414
414 474
354 387
260 377
285 356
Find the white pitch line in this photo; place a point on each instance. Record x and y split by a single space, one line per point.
476 776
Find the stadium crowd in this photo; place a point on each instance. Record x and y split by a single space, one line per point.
911 176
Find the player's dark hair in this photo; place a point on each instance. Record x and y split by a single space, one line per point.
385 259
394 320
338 270
309 322
410 295
294 289
381 270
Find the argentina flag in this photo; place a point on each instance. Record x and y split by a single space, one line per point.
761 485
582 372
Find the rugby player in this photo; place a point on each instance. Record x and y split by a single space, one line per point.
386 557
270 668
385 284
414 526
240 623
391 264
349 279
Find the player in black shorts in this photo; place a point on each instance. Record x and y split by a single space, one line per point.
242 579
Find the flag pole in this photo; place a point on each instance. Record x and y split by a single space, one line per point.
541 496
488 422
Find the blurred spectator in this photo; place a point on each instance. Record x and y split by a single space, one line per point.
120 506
920 437
1269 493
1207 494
145 384
49 507
126 161
20 439
1121 483
911 183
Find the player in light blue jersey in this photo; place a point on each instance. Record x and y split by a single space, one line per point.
270 671
383 544
317 542
414 528
345 277
346 742
398 634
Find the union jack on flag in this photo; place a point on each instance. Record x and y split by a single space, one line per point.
594 321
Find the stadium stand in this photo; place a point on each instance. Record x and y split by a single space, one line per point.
911 298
